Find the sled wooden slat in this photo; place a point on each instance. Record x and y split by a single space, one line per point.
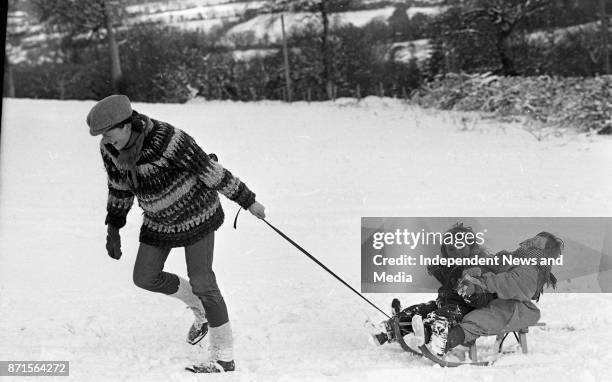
473 352
520 335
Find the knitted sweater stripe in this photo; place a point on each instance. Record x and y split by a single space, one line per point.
176 184
120 203
185 224
183 210
159 202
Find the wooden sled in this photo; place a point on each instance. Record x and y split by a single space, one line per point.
520 335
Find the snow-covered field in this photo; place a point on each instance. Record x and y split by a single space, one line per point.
317 168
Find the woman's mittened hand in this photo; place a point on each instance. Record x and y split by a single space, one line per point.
258 210
113 242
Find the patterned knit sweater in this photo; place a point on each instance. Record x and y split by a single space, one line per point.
177 187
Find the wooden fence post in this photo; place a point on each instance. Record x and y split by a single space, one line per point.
289 97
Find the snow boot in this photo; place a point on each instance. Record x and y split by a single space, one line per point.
440 327
199 328
213 367
221 352
197 331
444 336
388 335
221 349
380 338
396 307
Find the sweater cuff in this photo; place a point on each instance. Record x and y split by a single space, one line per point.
246 198
115 221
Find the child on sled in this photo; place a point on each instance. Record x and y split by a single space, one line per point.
449 304
510 309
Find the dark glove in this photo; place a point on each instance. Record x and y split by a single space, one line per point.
113 242
480 300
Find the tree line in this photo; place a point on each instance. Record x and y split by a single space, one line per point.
99 54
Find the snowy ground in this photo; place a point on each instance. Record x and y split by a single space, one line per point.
317 168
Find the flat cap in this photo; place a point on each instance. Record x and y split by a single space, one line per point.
108 112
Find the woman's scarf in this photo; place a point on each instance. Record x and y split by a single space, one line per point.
132 152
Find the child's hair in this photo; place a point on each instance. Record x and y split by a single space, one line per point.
444 273
554 245
552 249
458 227
138 124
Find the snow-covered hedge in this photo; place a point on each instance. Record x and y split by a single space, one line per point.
582 103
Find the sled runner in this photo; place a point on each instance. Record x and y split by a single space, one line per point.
396 325
398 335
521 338
444 363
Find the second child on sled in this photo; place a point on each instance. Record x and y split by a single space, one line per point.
449 304
498 299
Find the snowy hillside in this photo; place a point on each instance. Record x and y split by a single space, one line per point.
202 15
177 11
269 25
558 35
193 15
152 7
318 169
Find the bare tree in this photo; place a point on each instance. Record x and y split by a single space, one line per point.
286 62
322 8
13 37
503 16
605 26
83 19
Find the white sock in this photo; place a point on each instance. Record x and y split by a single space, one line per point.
185 294
221 343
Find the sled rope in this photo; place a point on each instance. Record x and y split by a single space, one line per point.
323 266
296 245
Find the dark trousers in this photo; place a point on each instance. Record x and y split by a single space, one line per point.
149 275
